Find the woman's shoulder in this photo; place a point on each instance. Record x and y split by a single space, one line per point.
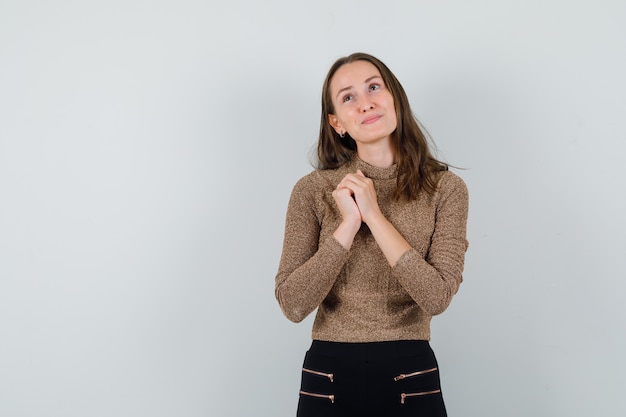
448 181
449 177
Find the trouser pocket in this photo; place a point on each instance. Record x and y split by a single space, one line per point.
420 389
317 388
316 380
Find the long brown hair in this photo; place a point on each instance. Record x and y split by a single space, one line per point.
417 167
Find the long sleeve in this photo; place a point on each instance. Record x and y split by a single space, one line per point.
359 297
433 280
309 266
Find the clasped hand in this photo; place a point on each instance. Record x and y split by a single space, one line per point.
356 198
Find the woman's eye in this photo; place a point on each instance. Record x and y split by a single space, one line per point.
374 87
347 98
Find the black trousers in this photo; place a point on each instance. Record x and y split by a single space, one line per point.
382 379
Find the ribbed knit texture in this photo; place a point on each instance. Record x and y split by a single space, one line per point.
359 297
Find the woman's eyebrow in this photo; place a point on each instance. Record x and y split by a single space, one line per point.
372 77
349 87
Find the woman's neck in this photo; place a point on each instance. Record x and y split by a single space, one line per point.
378 156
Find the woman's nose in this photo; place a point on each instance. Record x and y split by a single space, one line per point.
366 105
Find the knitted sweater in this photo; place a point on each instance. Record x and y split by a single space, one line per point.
359 297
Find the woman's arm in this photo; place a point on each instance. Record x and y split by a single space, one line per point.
308 268
432 282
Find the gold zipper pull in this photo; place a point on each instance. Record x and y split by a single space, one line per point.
330 397
404 396
402 376
329 376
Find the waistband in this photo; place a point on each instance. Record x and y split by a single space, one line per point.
396 348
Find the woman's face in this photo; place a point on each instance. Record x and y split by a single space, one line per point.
363 105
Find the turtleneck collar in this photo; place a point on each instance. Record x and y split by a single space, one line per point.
373 172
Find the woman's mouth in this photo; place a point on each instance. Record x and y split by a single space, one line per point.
370 120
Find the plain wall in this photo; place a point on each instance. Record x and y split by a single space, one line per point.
147 153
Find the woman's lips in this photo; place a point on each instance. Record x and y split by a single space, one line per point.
370 120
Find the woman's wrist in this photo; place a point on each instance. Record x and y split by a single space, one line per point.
345 232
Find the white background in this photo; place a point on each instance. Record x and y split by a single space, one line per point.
147 153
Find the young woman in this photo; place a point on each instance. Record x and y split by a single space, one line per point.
375 241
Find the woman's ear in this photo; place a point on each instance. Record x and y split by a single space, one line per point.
332 120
